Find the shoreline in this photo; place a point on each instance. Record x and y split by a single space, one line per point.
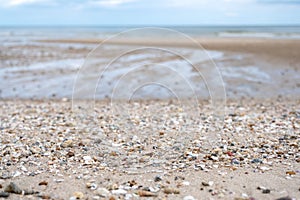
280 47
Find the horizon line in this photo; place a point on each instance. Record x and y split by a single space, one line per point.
149 25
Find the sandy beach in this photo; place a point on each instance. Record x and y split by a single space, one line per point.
47 153
153 148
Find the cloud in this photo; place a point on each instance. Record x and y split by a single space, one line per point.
111 3
102 3
11 3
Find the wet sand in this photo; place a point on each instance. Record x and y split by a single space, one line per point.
256 68
280 48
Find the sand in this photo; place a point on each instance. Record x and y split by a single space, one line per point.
255 157
155 148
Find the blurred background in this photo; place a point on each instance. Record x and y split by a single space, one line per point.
254 44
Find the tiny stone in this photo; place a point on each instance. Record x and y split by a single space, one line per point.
256 160
4 194
266 191
185 183
188 198
119 192
78 195
13 188
171 191
260 188
143 193
67 143
244 195
102 192
215 158
209 183
291 173
43 183
70 154
284 198
88 160
91 186
157 179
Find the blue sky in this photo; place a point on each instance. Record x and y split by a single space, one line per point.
149 12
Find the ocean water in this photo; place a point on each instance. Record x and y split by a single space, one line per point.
102 32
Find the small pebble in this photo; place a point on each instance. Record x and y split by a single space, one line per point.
188 198
4 194
91 186
266 191
43 183
13 188
67 143
209 183
284 198
291 173
185 183
102 192
143 193
171 191
78 195
256 160
157 178
119 192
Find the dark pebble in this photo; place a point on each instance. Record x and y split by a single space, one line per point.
43 183
235 161
5 176
4 194
285 198
32 174
157 179
256 160
266 191
70 154
13 188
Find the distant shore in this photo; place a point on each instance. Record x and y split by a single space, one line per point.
278 48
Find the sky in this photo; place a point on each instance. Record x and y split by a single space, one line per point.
149 12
